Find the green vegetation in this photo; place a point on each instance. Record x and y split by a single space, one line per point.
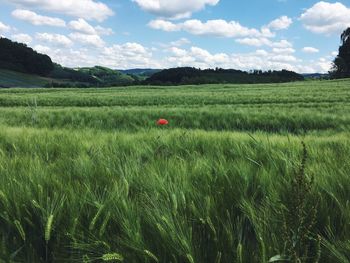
243 173
108 76
18 57
341 64
9 78
189 76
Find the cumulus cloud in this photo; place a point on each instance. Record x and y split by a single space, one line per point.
87 9
87 40
219 28
174 9
54 39
310 50
22 38
37 20
4 28
164 25
180 42
104 31
280 23
326 18
253 41
263 41
288 50
42 49
82 26
135 55
260 59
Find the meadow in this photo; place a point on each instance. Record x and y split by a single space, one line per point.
242 173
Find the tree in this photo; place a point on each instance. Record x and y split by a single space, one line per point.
18 57
341 64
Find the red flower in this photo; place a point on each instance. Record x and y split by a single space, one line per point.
161 122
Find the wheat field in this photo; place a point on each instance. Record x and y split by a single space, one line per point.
242 173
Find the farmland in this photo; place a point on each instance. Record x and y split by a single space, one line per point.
242 173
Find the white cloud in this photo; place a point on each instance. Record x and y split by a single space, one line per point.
104 31
22 38
87 40
54 39
164 25
82 26
128 55
282 44
36 19
42 49
256 42
134 55
180 42
4 28
263 41
219 28
283 50
174 9
121 56
280 23
310 50
88 9
261 59
326 18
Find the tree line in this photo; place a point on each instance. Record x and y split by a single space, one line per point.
190 75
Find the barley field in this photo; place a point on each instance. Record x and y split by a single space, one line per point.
242 173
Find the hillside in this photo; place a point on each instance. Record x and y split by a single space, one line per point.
18 57
9 78
21 66
106 76
188 75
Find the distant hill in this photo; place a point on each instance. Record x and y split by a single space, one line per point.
22 66
187 75
18 57
139 71
107 76
316 76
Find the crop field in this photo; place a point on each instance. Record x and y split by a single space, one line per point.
242 174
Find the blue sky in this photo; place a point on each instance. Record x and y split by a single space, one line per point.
253 34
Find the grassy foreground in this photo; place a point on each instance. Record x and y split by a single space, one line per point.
86 177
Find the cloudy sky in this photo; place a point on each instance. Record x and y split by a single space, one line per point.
251 34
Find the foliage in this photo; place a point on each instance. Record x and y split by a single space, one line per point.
186 75
107 77
72 75
341 64
18 57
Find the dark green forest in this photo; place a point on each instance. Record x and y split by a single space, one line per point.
341 64
18 57
188 75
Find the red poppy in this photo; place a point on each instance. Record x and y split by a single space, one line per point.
161 122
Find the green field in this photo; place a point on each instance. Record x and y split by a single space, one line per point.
87 176
10 78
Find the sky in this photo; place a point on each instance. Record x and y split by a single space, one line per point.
298 35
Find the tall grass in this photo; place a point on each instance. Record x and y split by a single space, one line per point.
85 176
164 196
